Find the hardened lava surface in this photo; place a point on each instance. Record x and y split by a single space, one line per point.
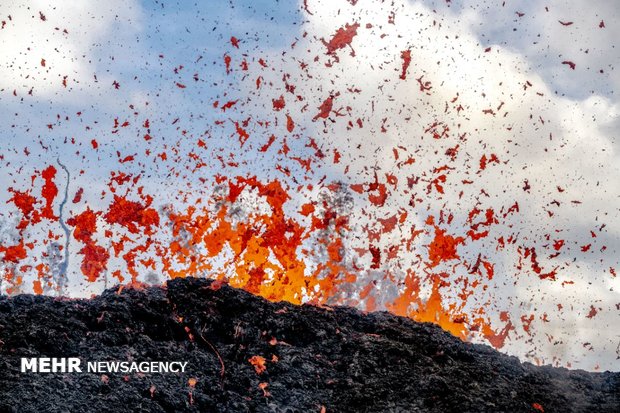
246 354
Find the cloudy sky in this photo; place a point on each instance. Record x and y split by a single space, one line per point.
452 108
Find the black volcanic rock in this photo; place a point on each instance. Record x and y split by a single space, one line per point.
336 359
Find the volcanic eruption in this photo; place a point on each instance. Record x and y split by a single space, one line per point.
441 162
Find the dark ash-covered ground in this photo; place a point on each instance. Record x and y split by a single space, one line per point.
332 360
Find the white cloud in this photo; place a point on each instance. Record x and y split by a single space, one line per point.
539 35
44 43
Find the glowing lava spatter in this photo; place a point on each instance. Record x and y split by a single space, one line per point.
298 179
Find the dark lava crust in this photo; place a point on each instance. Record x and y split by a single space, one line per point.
336 359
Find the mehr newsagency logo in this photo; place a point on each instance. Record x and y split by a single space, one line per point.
75 365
